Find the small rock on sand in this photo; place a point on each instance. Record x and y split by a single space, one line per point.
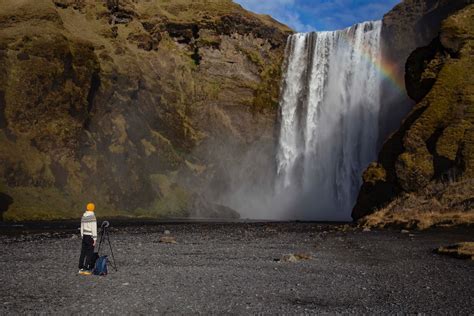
167 232
404 231
295 257
366 229
167 240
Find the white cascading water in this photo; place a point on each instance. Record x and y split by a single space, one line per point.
329 119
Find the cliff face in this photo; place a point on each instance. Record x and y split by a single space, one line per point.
117 101
414 23
409 25
428 163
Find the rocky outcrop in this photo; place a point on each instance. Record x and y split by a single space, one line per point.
409 25
433 150
138 106
414 23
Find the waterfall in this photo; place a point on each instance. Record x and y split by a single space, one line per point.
329 116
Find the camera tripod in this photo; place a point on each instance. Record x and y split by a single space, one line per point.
105 237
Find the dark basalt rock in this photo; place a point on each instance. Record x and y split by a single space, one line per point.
3 122
5 202
238 24
145 41
64 4
422 69
184 33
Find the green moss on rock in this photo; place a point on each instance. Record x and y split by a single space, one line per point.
172 200
450 141
375 173
437 136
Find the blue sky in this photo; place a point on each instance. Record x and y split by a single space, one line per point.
320 15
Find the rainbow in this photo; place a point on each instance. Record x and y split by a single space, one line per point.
388 69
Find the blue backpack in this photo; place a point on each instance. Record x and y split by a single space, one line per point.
101 266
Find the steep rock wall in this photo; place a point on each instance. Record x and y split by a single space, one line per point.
135 105
432 151
414 23
409 25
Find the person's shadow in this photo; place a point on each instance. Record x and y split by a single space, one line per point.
5 202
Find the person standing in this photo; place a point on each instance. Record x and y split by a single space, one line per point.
89 238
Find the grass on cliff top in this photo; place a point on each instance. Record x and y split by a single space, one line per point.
188 11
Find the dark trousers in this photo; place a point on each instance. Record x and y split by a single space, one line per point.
87 253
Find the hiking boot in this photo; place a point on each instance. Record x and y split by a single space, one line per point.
80 271
86 272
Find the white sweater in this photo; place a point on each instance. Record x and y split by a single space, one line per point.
89 225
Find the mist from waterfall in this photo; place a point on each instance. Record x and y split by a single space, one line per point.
330 104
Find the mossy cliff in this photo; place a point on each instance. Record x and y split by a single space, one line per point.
414 23
430 159
409 25
117 101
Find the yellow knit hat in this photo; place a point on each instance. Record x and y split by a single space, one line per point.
90 207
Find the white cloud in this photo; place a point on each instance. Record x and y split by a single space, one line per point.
307 15
282 10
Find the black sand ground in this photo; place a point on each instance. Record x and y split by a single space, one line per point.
231 268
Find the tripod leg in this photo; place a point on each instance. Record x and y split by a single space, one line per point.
112 252
102 233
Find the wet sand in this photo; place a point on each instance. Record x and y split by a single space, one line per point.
234 268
